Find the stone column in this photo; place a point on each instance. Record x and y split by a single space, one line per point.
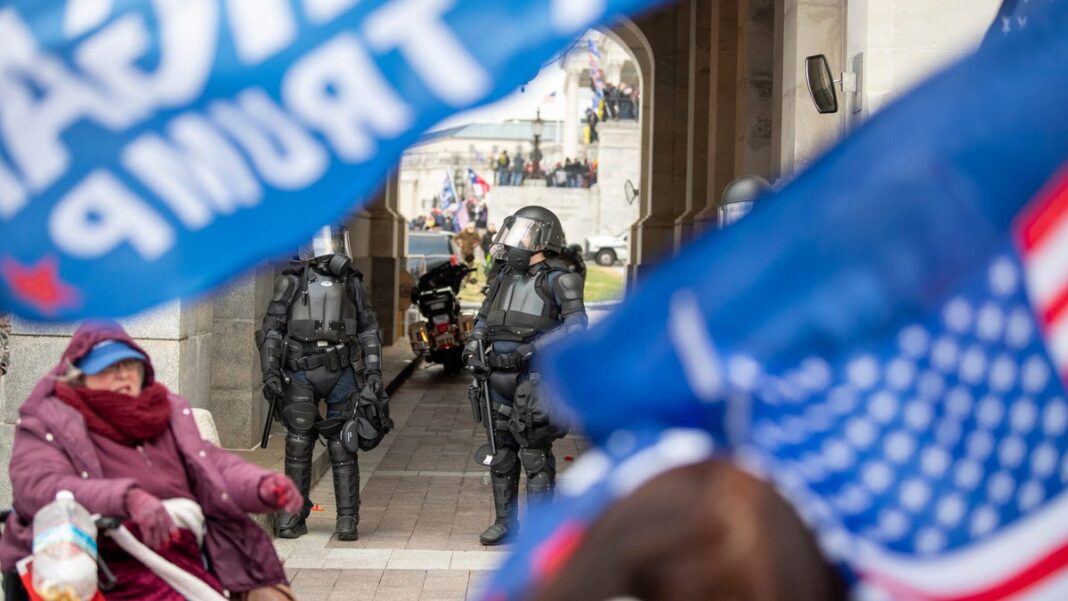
698 113
236 382
653 236
723 124
386 242
571 114
359 225
807 27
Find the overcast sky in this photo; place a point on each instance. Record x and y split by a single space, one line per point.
520 105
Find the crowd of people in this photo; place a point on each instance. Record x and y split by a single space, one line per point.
620 103
572 173
440 220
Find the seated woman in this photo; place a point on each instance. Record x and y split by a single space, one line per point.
706 531
101 426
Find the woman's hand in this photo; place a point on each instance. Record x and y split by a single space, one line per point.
157 528
279 492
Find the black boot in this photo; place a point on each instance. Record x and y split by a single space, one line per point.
298 460
505 504
346 490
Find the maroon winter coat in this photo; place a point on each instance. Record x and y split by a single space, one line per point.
53 451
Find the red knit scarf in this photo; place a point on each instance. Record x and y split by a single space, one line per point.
125 419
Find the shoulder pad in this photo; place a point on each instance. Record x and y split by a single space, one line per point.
285 288
569 286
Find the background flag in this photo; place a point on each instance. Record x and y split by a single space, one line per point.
893 358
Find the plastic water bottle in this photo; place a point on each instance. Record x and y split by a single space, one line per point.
64 551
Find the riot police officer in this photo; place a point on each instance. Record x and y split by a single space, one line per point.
320 341
534 298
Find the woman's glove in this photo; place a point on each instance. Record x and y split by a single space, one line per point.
279 492
147 512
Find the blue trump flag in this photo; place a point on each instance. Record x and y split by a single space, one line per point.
885 340
152 149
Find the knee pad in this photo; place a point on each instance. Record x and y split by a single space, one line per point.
300 417
534 460
540 482
504 462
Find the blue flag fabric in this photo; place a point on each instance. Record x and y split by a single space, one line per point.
153 148
891 358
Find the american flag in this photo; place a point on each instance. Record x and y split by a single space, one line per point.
893 361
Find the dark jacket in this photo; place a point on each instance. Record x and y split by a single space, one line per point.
53 451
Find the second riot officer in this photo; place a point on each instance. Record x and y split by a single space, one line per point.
320 341
533 299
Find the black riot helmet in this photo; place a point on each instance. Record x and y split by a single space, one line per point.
329 248
530 230
328 240
738 197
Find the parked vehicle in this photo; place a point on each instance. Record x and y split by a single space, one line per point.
427 250
606 250
441 333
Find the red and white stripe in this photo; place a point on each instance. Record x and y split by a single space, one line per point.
1042 232
1025 561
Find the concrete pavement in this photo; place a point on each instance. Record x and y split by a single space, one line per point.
424 502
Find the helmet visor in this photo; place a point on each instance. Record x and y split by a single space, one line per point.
522 233
327 241
729 213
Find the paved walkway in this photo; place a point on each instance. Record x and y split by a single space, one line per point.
424 502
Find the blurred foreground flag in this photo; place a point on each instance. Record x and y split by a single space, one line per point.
153 148
885 339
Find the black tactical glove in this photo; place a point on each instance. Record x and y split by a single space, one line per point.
473 359
373 389
272 383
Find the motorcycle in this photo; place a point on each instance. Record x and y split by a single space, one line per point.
441 334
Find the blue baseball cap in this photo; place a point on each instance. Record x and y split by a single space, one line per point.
105 354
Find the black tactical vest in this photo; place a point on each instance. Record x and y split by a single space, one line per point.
322 309
522 306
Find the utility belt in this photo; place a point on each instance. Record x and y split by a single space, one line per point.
310 330
506 361
335 358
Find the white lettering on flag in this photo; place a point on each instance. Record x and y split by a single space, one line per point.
84 15
429 45
100 213
260 28
12 194
33 120
188 32
338 90
322 11
694 347
282 152
200 174
572 15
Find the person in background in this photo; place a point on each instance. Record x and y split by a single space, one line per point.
518 164
502 168
101 426
469 244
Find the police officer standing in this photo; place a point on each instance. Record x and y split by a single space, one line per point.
533 300
320 341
